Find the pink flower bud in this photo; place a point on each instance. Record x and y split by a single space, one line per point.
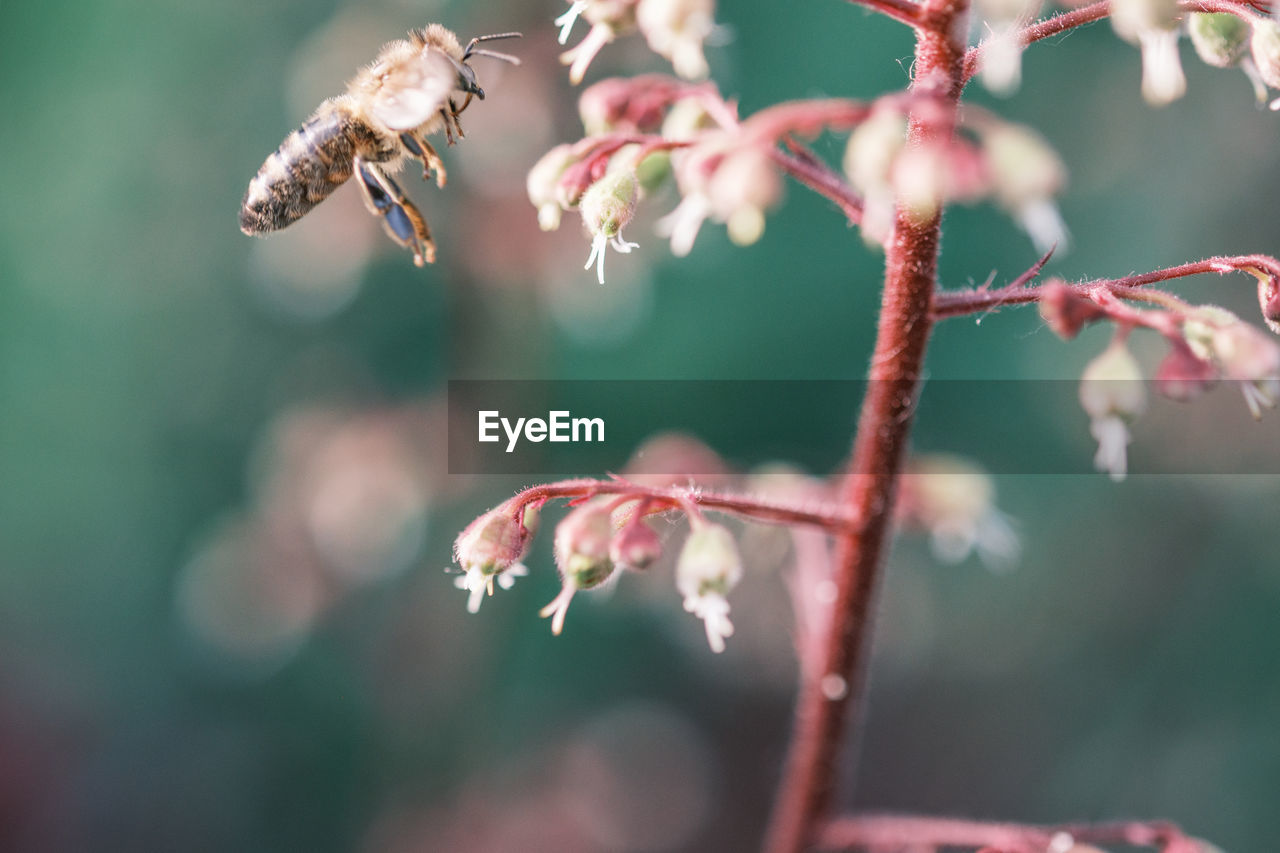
1182 375
582 546
606 208
627 103
582 554
1269 300
635 546
492 542
1065 311
490 548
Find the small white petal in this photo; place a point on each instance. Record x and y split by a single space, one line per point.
683 223
1043 223
557 609
1162 79
1113 439
566 21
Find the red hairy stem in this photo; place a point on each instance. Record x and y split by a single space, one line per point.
896 831
911 258
807 118
962 302
831 518
1066 21
818 177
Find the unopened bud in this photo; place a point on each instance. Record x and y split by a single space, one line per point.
708 568
652 172
491 543
1269 300
582 555
1065 311
1183 375
490 548
542 184
636 546
1265 46
1220 39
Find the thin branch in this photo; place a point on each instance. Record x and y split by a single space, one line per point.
822 180
895 831
829 517
1067 21
960 303
904 11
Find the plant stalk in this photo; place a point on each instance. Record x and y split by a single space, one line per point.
835 688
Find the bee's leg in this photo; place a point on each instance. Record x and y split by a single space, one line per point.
400 218
431 161
453 111
448 126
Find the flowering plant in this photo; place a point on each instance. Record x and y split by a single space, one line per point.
908 155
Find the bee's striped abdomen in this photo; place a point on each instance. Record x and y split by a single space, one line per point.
310 164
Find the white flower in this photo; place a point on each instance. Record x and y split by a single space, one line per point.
955 501
478 583
598 244
683 223
1002 59
1162 79
676 30
1112 393
708 568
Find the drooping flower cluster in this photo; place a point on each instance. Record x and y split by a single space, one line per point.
643 130
601 535
1241 38
674 29
1207 344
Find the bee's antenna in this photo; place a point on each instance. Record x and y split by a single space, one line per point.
493 54
471 45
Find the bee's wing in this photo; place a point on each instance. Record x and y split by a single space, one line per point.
414 90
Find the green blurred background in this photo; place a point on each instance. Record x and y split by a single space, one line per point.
225 507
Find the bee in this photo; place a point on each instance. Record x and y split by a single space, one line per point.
390 108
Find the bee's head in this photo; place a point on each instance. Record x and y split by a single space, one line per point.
467 80
466 76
